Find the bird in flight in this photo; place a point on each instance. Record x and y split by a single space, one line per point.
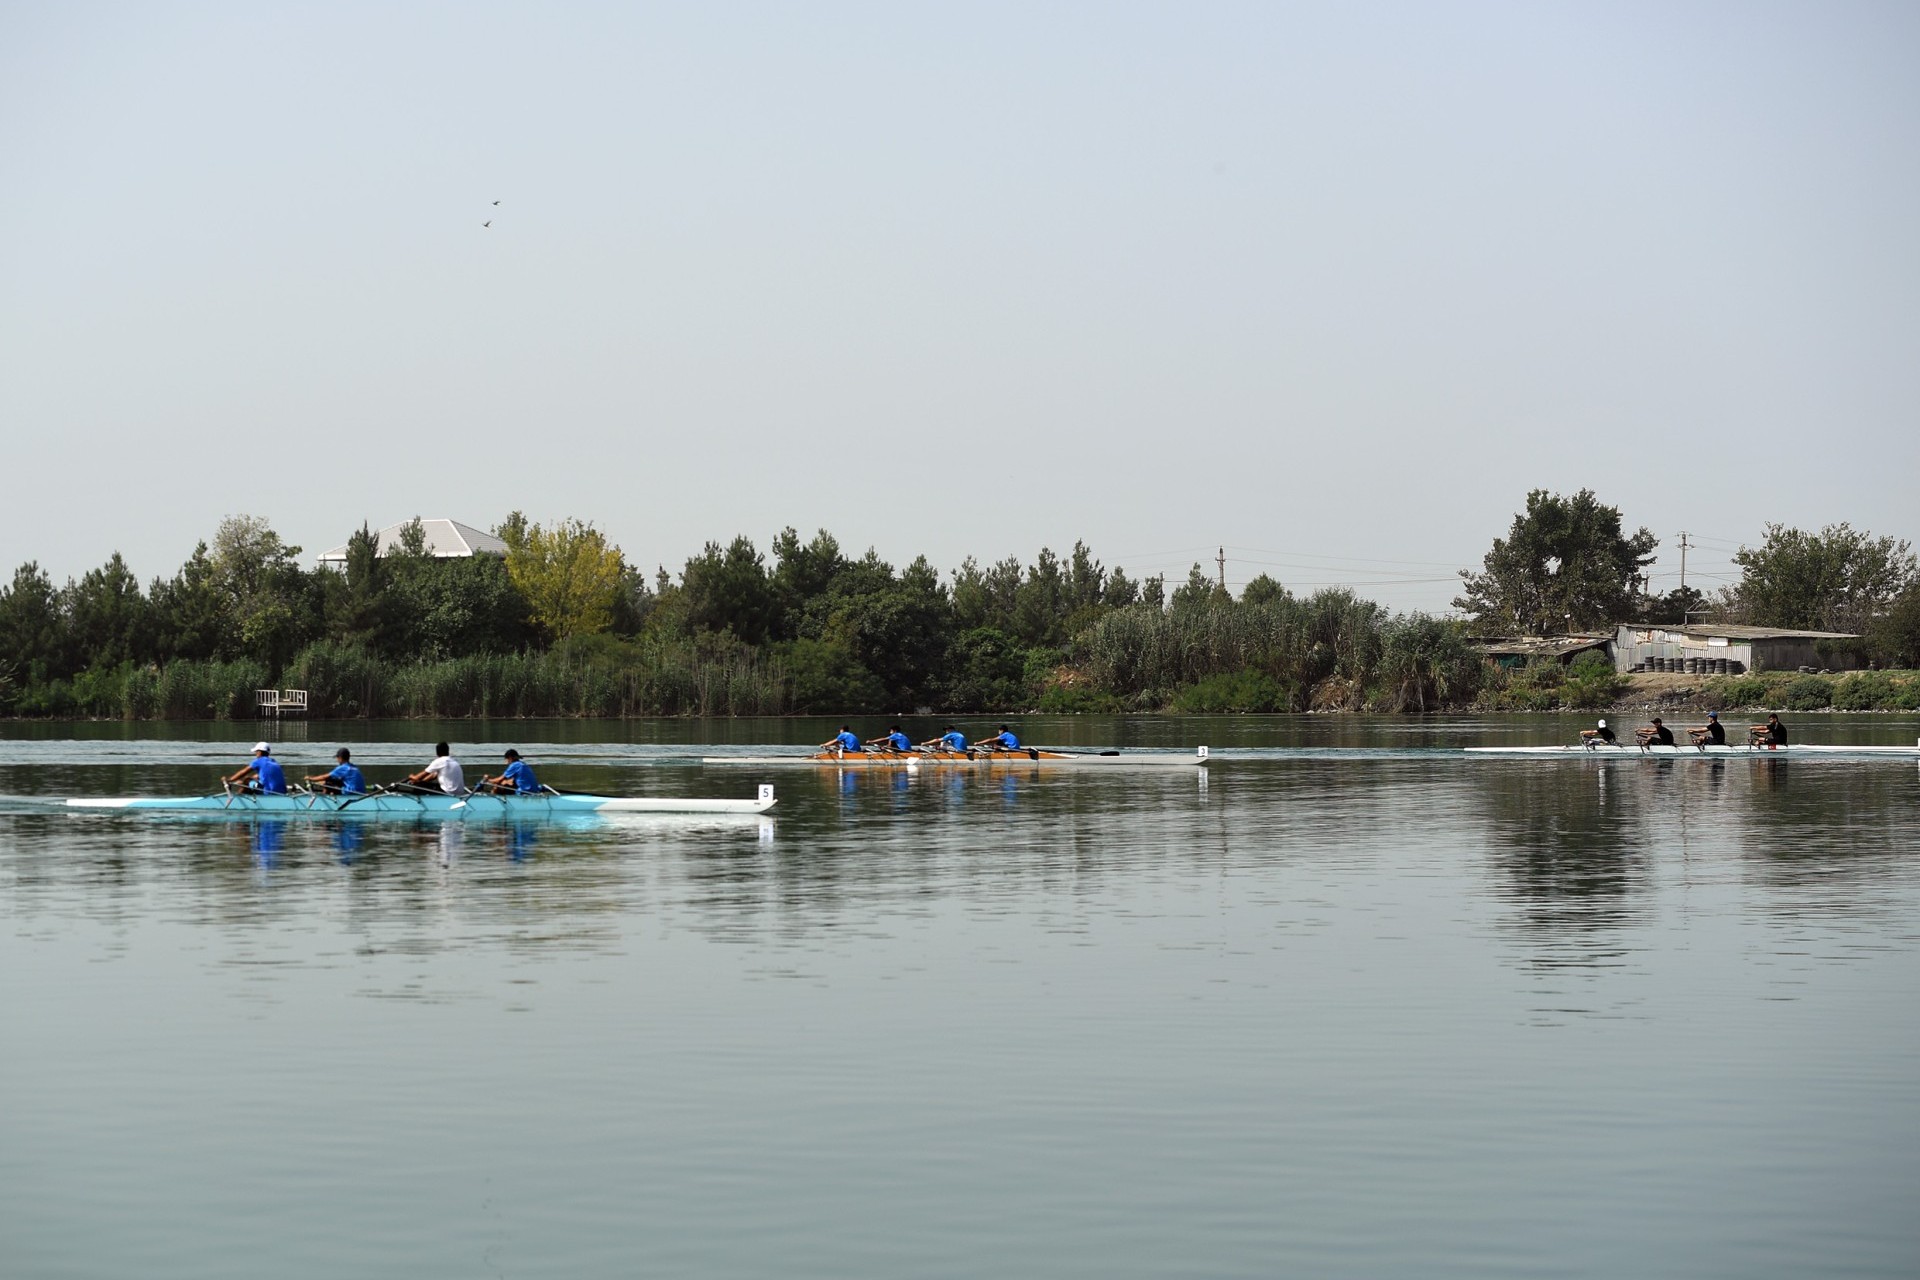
487 223
496 202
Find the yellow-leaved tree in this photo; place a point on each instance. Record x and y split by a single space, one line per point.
570 574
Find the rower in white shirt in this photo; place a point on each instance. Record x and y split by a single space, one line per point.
444 771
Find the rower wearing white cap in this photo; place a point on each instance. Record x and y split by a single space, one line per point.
264 772
1594 737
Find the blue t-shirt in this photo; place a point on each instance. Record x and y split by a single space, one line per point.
1006 740
520 774
899 741
846 740
348 778
954 740
271 777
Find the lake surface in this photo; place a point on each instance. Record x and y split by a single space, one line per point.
1380 1010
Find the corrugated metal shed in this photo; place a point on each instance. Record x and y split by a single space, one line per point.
446 540
1732 647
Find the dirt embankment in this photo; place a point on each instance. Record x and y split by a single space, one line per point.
1663 691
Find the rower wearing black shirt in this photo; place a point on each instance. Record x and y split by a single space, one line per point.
1776 733
1656 735
1711 734
1591 737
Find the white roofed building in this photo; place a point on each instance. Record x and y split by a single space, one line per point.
446 540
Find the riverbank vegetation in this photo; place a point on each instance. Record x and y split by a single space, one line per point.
564 625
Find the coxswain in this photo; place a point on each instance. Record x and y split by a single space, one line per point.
517 777
344 779
892 740
950 739
1656 735
1001 741
264 774
1770 735
845 740
442 771
1710 734
1594 737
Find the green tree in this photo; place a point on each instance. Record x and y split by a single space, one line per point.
1040 602
803 574
272 603
1199 592
633 609
987 672
458 606
1565 565
729 590
106 617
896 628
1893 638
570 576
191 615
1676 608
824 679
358 608
30 624
1834 580
986 597
1263 590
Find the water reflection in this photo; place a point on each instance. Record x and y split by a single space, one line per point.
521 838
269 840
348 838
1571 840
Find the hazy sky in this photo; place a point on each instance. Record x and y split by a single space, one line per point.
1333 285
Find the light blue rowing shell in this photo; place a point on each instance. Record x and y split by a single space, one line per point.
297 804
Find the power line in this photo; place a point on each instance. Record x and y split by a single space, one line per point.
1315 555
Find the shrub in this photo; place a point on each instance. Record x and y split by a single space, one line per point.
1591 683
1906 695
1808 693
1064 700
1239 691
1740 691
1863 691
827 679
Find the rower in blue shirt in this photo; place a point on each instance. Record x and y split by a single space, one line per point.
517 777
344 778
950 740
264 774
1001 741
845 740
892 740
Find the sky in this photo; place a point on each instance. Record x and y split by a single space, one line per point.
1329 286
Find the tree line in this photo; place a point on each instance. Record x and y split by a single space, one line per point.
563 624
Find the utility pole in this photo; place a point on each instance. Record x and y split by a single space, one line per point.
1223 568
1684 611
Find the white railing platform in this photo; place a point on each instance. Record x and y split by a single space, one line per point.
280 702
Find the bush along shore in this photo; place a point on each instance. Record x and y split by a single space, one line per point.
562 625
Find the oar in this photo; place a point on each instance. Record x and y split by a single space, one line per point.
378 789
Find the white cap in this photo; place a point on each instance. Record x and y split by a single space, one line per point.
262 749
1603 724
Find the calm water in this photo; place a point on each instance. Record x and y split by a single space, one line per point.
1396 1012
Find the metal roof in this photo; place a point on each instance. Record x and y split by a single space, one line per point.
1541 646
446 540
1732 632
